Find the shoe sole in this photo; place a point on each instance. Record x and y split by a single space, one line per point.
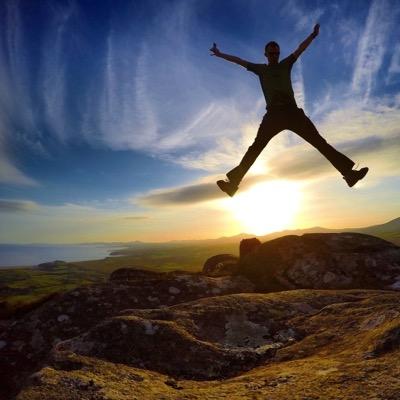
361 174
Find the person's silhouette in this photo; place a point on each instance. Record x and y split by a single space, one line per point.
283 113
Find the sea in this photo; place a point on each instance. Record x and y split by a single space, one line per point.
18 255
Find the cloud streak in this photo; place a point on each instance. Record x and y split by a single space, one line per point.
301 162
148 91
9 173
185 195
298 85
372 47
54 70
15 104
394 67
8 205
303 20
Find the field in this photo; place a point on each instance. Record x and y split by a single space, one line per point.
22 288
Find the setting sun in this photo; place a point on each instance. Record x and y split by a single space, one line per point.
266 207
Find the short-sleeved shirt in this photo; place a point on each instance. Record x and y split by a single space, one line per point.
276 83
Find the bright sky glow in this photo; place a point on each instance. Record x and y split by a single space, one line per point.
266 207
115 122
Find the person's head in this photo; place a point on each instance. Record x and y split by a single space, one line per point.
272 52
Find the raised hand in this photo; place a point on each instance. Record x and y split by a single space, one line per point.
316 30
214 50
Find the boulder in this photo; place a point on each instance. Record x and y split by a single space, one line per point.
323 261
133 275
70 314
221 265
247 246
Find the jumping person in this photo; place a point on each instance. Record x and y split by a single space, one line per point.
282 113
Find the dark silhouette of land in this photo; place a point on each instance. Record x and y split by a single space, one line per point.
315 316
283 113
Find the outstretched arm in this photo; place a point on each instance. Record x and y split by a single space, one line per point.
303 45
215 52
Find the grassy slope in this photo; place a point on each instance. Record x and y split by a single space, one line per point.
20 287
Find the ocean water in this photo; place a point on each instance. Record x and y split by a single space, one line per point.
13 255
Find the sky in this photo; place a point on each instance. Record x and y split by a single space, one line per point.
115 120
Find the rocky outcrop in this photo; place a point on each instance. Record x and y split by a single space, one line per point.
27 341
208 339
307 344
323 261
247 246
150 335
221 265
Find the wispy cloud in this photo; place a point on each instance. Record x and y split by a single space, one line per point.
15 102
394 67
195 193
298 85
9 173
15 73
180 196
137 218
302 19
312 165
155 96
372 47
17 206
149 93
147 120
54 69
299 162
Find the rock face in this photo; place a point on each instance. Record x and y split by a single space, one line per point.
209 339
304 344
323 261
148 335
247 246
28 340
221 265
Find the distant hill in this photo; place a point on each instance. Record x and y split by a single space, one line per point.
389 231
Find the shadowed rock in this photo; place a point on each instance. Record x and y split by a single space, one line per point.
138 334
316 343
26 342
247 246
221 265
323 261
208 339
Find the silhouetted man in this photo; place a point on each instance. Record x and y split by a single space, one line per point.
283 113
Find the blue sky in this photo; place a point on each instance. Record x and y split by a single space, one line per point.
115 121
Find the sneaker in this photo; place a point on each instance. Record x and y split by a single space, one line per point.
228 187
354 176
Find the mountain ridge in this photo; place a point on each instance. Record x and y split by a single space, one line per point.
389 231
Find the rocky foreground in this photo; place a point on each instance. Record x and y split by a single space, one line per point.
146 335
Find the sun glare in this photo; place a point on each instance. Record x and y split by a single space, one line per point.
267 207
